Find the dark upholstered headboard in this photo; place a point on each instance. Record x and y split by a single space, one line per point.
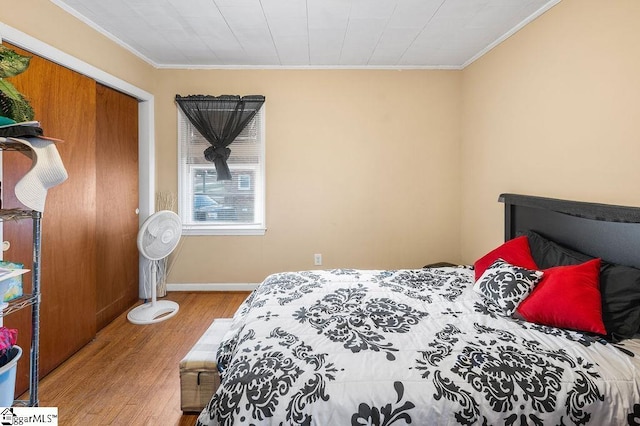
600 230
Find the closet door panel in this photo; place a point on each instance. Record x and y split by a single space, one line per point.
117 201
65 103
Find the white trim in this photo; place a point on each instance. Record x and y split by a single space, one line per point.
511 32
212 286
204 230
146 118
47 51
146 159
310 67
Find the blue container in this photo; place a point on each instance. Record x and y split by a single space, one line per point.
8 377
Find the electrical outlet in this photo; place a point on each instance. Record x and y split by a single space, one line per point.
317 259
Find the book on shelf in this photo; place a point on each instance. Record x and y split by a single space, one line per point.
11 280
10 273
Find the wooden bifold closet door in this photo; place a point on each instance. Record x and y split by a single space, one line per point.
117 201
86 220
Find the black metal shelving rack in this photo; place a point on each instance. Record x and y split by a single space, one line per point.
28 300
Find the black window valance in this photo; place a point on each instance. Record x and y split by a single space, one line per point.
220 119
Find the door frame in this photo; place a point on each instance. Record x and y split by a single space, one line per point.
146 119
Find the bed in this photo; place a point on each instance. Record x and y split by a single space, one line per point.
542 330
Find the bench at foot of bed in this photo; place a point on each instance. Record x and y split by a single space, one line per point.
199 376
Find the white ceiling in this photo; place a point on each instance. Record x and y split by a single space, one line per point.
307 33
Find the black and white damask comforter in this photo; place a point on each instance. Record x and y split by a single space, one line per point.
413 347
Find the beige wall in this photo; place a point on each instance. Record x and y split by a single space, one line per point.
362 166
553 111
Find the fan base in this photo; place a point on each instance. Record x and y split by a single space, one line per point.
153 312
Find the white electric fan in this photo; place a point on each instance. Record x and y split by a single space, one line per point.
157 238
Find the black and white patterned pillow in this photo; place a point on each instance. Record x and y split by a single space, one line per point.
506 285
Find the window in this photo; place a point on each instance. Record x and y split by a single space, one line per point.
244 182
230 207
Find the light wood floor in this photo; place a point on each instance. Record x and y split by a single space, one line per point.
129 374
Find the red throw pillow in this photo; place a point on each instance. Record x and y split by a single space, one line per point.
567 297
515 252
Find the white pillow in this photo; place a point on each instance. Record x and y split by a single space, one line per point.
506 285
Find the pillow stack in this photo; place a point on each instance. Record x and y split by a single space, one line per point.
530 282
619 285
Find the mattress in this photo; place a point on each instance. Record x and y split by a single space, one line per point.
410 347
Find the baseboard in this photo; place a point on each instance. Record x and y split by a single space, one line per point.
211 286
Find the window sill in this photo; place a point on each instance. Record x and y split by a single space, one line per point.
230 230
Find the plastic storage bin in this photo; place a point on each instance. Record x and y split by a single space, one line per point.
8 377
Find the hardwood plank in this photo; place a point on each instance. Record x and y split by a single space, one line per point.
128 375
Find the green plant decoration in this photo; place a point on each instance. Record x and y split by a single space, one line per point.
12 103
